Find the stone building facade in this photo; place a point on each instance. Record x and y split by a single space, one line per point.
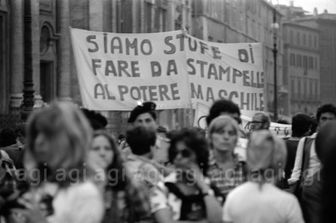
301 67
325 23
35 47
245 21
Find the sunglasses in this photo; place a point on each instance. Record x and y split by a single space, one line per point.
185 153
326 119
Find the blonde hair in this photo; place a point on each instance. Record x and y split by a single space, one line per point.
262 158
67 132
220 123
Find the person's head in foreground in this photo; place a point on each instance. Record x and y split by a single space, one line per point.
58 140
326 152
266 157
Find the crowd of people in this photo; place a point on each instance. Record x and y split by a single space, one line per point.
65 167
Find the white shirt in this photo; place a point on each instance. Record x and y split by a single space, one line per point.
248 203
79 203
314 162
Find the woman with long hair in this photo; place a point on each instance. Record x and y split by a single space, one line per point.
226 171
58 140
124 201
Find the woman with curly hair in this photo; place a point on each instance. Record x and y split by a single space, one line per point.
185 194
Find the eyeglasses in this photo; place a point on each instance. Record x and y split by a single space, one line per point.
327 119
185 153
256 122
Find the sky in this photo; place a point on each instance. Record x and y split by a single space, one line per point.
309 5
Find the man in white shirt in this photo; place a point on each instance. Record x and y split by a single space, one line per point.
324 114
307 168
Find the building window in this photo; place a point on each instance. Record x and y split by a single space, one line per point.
299 88
298 60
293 88
159 22
304 39
311 63
3 56
315 63
44 39
148 17
305 64
291 41
317 89
47 81
315 42
310 41
298 38
292 59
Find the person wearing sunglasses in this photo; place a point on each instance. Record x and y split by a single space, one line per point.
185 194
226 171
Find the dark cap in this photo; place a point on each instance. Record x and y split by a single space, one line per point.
145 107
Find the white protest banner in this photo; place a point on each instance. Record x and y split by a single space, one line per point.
172 69
115 70
281 130
232 71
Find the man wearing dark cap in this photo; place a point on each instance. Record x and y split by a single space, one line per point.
144 115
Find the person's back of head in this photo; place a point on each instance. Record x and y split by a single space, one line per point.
7 137
223 107
266 154
325 146
140 140
96 120
260 121
301 125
